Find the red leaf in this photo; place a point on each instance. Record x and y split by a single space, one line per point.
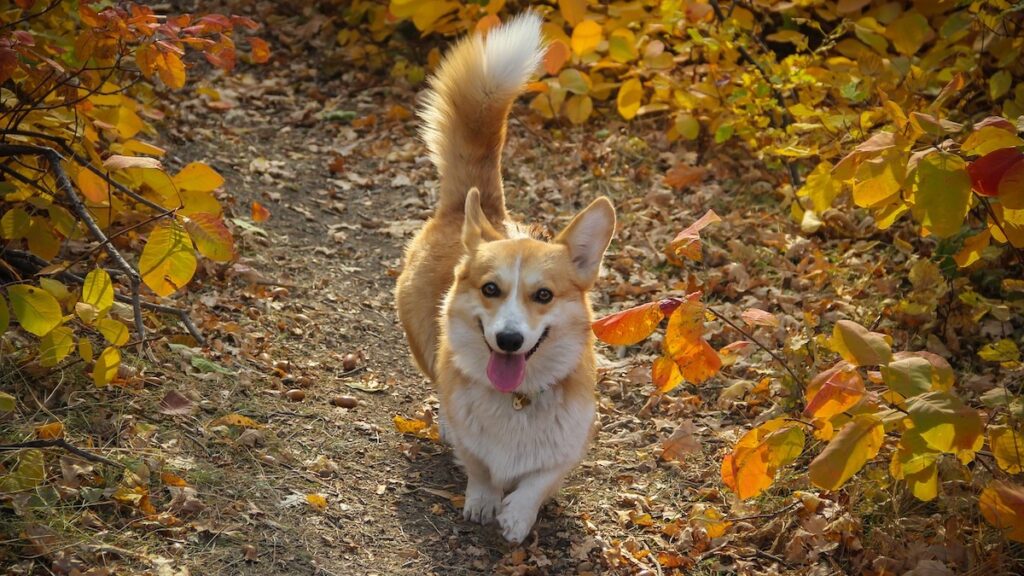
629 326
987 171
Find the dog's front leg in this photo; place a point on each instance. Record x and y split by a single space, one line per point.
483 498
520 507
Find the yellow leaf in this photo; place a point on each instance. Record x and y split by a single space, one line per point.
573 10
972 248
171 69
317 501
586 36
942 194
946 424
988 139
1004 350
5 315
235 420
199 177
1002 505
113 330
28 473
418 428
820 187
857 442
50 431
37 310
55 346
98 290
578 108
105 370
1008 448
858 346
85 350
909 32
622 45
630 97
915 463
711 520
168 260
665 374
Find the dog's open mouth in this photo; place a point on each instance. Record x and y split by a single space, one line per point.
507 371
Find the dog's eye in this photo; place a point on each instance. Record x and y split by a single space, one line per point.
543 296
491 290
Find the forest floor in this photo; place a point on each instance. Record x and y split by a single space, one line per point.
337 163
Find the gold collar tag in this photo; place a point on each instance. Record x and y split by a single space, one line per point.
520 400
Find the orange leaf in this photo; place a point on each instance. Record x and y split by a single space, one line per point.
50 431
171 69
236 420
684 342
260 50
698 362
259 212
1002 505
418 428
666 375
687 243
682 175
834 391
172 480
317 501
212 237
629 326
557 55
93 187
757 457
486 23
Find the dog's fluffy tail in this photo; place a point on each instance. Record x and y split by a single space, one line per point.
467 106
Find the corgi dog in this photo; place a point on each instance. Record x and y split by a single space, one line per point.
496 317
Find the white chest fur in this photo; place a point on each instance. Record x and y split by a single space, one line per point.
550 433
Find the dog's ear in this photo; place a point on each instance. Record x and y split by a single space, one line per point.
588 236
476 228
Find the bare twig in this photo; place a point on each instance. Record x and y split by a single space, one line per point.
54 158
60 443
748 336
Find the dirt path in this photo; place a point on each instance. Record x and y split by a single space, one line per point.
344 199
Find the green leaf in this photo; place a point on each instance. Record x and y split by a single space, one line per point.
7 403
942 194
999 84
908 377
1004 350
574 81
28 473
37 310
205 365
848 452
946 424
5 315
55 346
687 126
15 224
98 290
622 45
168 260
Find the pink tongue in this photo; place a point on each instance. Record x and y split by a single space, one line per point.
506 371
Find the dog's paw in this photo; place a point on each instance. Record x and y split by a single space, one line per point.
516 521
482 504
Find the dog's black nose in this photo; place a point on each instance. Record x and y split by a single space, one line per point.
510 341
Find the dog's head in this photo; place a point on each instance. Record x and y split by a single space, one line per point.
518 315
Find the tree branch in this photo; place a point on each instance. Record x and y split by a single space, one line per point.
54 158
60 443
